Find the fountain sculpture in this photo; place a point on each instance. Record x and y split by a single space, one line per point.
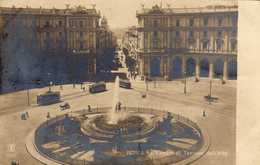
118 135
116 114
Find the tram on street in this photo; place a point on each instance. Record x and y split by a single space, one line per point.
125 84
97 87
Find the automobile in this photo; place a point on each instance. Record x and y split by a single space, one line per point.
64 106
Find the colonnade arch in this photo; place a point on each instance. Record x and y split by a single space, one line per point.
176 68
218 67
155 66
204 67
190 67
232 69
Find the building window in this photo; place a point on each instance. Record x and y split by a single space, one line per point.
219 45
234 21
234 33
81 23
191 22
47 34
155 44
220 22
205 34
47 41
47 23
155 34
205 21
191 45
60 23
219 35
205 45
190 34
155 39
155 23
177 22
81 45
233 46
81 34
177 34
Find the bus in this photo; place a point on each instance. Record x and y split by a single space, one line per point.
97 87
125 84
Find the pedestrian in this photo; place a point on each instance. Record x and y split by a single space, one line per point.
48 115
81 85
27 114
89 108
119 106
139 148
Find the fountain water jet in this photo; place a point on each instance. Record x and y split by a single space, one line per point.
116 114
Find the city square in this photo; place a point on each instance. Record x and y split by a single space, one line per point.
218 123
80 88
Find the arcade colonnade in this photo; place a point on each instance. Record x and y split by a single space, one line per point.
170 67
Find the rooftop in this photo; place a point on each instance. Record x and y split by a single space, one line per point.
53 11
208 9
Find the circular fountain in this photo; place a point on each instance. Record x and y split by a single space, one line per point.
119 135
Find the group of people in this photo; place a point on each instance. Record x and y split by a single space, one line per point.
132 75
74 86
24 115
118 107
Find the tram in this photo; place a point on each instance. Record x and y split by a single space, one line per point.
125 84
97 87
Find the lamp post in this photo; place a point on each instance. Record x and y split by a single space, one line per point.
146 81
185 83
74 68
50 84
28 97
47 117
222 80
210 90
61 87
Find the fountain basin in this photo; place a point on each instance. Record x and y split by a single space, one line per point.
130 128
165 143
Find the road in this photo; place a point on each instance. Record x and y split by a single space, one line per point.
219 120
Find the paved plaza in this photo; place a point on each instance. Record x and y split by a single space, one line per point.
219 121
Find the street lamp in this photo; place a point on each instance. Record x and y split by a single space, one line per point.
146 81
185 83
50 84
28 97
222 80
61 87
74 68
47 117
210 90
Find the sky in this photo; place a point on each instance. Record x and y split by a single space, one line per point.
119 13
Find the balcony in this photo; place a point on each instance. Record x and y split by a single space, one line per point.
212 52
163 50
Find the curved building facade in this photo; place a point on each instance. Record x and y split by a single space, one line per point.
200 42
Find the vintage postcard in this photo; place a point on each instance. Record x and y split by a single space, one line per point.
118 82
